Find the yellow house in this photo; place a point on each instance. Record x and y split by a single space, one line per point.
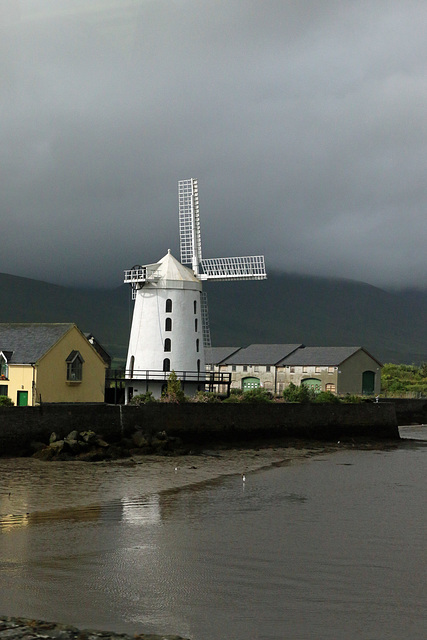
49 363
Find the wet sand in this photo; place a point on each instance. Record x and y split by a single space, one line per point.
29 485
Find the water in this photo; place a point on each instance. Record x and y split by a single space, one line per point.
331 547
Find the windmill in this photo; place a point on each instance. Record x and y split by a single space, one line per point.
222 269
170 326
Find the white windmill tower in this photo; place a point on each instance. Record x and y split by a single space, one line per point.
170 324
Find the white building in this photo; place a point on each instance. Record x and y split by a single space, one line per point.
166 332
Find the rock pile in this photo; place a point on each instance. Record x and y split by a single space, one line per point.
89 446
26 629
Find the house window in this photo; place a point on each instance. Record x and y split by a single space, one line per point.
166 364
74 367
168 305
233 367
331 369
4 369
3 389
168 324
167 344
291 369
268 368
317 369
305 369
330 387
245 367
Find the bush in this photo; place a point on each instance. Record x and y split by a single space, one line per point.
206 397
298 394
143 398
327 396
174 392
352 399
5 401
256 395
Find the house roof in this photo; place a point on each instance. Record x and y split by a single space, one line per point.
321 356
29 342
261 354
215 355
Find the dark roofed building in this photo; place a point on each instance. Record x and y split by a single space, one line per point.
341 370
49 362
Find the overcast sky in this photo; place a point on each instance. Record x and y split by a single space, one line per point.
304 121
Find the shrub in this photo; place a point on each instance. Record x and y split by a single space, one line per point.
349 398
174 392
206 397
327 396
256 395
5 401
298 394
143 398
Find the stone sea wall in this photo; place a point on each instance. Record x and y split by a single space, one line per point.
199 423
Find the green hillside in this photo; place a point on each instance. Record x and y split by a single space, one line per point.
284 308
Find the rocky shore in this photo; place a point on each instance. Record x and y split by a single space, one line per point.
27 629
88 446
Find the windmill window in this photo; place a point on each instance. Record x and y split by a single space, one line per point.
197 344
168 344
195 306
198 366
168 324
168 305
195 324
74 367
166 364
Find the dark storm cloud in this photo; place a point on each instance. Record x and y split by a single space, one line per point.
303 121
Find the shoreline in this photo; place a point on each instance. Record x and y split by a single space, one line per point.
79 485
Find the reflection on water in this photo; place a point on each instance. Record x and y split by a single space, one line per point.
331 548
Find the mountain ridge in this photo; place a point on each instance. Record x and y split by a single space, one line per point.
285 308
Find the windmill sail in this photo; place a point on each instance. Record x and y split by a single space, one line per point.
220 269
243 268
189 224
205 321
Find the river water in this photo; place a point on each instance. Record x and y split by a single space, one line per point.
330 547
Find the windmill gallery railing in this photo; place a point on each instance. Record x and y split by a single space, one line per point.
215 381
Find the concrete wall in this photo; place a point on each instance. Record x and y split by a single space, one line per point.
200 423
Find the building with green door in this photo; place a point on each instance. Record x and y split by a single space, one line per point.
340 370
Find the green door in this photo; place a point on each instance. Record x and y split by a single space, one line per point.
22 398
368 383
312 383
250 383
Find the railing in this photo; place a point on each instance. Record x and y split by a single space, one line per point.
208 377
